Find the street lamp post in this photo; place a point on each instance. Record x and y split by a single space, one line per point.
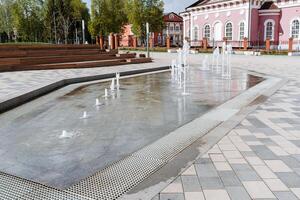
83 31
147 39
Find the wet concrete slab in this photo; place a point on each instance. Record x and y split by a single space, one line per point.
143 110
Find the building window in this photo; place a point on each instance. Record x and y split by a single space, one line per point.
269 30
228 31
177 28
295 29
207 32
242 30
196 33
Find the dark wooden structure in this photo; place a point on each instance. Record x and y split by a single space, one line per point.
43 57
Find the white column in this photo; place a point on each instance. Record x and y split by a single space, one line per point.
184 28
191 29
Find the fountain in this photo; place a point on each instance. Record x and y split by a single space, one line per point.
184 83
215 60
118 79
112 85
105 93
98 103
186 49
85 115
226 61
66 134
205 65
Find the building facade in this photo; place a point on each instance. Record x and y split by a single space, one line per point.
173 28
234 20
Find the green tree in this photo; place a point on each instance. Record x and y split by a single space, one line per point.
28 19
6 19
107 16
141 11
64 17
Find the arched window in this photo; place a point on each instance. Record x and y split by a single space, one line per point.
207 32
242 30
295 29
228 31
196 33
269 30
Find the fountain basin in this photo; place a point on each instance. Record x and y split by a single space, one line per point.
143 110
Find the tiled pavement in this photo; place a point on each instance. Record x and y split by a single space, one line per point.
259 159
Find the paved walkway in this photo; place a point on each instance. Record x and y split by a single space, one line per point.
260 158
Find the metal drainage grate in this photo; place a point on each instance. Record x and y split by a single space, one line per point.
117 179
13 188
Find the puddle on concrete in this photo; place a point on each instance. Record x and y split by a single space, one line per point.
145 109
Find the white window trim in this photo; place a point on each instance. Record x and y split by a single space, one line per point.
273 29
196 26
240 30
225 33
210 31
291 25
213 29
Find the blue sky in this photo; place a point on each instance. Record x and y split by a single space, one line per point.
170 5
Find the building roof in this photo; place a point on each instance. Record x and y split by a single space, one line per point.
172 17
197 3
269 5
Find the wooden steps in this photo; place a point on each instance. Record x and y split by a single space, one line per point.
16 58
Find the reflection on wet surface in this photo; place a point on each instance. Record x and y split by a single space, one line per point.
145 109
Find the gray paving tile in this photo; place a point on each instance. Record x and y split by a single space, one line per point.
238 193
290 179
285 196
211 183
178 196
229 178
245 172
191 184
290 161
264 153
267 142
257 123
206 170
203 161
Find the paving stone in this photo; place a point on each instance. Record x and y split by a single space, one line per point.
278 166
264 153
257 123
194 196
238 193
229 178
191 171
296 191
206 170
171 196
190 184
285 196
203 161
216 195
276 185
211 182
258 190
290 179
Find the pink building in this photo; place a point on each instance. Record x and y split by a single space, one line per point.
234 20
